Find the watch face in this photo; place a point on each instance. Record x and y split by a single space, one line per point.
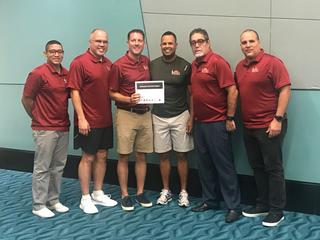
279 118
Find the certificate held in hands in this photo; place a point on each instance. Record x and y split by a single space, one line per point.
151 92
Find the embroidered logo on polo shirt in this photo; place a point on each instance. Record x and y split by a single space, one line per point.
205 70
145 67
254 69
175 72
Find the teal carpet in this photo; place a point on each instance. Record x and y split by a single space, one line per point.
158 222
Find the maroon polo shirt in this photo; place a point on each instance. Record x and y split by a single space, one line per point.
258 84
125 72
211 74
90 76
48 89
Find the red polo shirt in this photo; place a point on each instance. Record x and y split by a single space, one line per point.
211 74
48 89
258 84
90 76
125 72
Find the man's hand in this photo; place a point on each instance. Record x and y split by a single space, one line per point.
84 127
135 98
230 125
189 126
274 128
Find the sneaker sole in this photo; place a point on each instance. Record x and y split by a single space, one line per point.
146 205
183 205
39 215
252 215
127 209
164 203
103 204
267 224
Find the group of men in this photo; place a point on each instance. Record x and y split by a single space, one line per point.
200 103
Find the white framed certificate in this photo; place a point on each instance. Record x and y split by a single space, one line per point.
151 92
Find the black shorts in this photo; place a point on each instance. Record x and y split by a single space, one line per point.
98 138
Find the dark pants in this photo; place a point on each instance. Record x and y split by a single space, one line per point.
265 158
216 164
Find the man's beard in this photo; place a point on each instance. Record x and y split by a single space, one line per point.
198 54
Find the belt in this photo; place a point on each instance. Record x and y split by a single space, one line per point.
136 110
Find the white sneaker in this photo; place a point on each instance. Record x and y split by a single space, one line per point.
99 198
43 213
59 207
87 205
183 199
165 197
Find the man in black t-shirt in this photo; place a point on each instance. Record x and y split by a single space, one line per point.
172 121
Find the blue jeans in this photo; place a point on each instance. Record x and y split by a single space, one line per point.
216 164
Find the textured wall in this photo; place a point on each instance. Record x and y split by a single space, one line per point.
287 28
25 28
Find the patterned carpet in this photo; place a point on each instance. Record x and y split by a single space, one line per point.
158 222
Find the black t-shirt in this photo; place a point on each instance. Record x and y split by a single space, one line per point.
176 76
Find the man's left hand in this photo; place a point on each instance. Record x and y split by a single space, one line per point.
274 128
230 125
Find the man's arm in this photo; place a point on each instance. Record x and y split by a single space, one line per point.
231 106
284 95
118 97
84 127
27 103
275 126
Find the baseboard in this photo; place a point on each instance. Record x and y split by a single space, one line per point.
301 196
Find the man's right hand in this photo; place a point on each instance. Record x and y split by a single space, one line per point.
134 98
84 127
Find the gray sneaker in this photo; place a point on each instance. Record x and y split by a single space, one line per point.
165 197
183 199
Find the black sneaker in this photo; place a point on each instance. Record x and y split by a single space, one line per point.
272 219
256 211
127 204
143 200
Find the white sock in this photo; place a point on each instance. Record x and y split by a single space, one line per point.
85 197
97 192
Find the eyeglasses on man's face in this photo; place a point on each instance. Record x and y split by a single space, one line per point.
200 42
53 51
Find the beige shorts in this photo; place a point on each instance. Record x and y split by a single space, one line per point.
134 132
170 133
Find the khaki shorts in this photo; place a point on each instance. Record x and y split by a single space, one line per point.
134 132
170 133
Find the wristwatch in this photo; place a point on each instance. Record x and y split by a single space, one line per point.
278 118
230 118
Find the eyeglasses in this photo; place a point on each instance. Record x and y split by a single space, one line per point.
52 51
199 42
